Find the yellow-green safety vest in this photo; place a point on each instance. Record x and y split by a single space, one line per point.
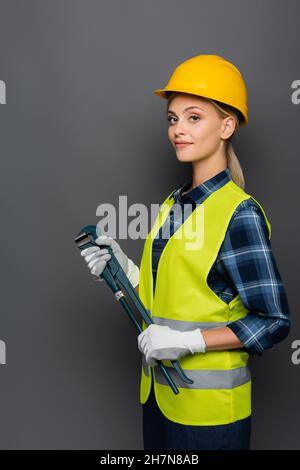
221 391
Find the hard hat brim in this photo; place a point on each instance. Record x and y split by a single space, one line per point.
162 92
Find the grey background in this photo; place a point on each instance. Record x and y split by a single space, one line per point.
82 126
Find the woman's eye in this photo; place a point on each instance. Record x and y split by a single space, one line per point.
169 118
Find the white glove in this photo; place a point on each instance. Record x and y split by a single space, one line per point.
160 342
97 258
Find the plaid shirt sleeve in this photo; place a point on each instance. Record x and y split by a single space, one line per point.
247 258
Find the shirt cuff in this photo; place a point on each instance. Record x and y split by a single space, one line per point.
255 341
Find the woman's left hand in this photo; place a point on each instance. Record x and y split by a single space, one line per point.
161 342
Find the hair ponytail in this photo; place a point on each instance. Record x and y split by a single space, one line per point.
234 166
233 162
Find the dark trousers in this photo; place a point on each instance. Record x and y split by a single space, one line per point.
159 433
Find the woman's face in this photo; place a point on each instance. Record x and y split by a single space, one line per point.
195 120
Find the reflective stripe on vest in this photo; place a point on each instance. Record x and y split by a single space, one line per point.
221 392
181 325
205 379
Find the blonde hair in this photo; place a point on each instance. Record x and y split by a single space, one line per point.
233 163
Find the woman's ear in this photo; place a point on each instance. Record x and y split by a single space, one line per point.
228 127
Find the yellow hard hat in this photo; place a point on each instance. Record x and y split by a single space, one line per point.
210 76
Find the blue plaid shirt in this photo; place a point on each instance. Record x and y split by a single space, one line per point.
245 265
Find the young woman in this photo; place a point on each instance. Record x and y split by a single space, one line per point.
214 302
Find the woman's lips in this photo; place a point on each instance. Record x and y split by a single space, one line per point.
182 145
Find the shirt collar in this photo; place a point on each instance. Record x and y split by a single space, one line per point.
203 190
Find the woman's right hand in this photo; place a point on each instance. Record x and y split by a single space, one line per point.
97 258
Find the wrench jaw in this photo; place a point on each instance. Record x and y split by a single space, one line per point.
86 237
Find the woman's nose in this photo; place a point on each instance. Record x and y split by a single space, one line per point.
179 129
